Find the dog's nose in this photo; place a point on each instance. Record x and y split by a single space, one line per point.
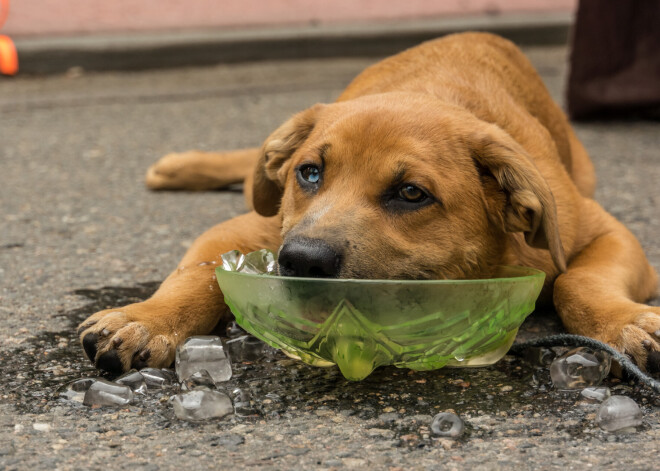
308 258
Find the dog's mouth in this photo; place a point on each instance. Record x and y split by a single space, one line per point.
314 258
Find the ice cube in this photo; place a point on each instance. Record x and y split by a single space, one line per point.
201 404
234 330
247 348
134 380
446 424
618 413
199 379
75 391
232 261
580 368
596 394
539 356
259 262
156 378
242 403
105 393
203 352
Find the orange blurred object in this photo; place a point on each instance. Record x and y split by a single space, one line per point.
8 56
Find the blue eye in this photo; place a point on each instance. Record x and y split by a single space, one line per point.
310 173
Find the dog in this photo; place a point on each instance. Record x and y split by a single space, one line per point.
441 162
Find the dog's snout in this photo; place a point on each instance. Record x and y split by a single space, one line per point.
309 258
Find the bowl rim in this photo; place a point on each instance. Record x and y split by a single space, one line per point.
526 274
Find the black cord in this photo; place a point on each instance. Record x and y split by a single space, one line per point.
569 340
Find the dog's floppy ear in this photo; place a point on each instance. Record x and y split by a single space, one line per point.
528 205
269 178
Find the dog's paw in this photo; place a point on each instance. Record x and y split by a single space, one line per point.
181 171
640 339
116 340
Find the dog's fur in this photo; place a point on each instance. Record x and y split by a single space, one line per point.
462 125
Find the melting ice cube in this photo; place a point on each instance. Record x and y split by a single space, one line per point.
579 368
446 424
539 356
234 330
203 352
596 394
75 391
199 379
134 380
105 393
201 404
247 348
259 262
242 403
617 413
156 377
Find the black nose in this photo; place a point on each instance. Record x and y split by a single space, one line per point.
308 258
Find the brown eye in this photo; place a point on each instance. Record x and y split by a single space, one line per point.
412 194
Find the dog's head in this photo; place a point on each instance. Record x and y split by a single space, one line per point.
392 186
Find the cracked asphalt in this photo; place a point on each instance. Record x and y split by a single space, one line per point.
75 217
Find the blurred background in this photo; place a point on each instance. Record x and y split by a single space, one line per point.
76 17
614 49
54 35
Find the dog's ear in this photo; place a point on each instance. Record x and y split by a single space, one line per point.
527 204
270 173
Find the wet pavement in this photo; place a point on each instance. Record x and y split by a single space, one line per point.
80 233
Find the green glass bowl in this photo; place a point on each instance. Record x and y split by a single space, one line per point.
362 324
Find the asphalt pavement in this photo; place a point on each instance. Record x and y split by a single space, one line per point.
75 217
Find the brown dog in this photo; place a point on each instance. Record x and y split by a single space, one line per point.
440 162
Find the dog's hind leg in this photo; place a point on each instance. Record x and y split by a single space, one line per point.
601 295
196 171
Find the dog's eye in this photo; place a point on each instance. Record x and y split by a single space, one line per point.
412 194
309 177
407 197
310 173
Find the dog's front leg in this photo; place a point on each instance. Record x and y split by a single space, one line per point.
187 303
602 293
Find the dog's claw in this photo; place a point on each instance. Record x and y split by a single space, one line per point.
140 360
89 344
653 362
110 362
85 326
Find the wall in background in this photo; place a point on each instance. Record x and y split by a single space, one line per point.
74 17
